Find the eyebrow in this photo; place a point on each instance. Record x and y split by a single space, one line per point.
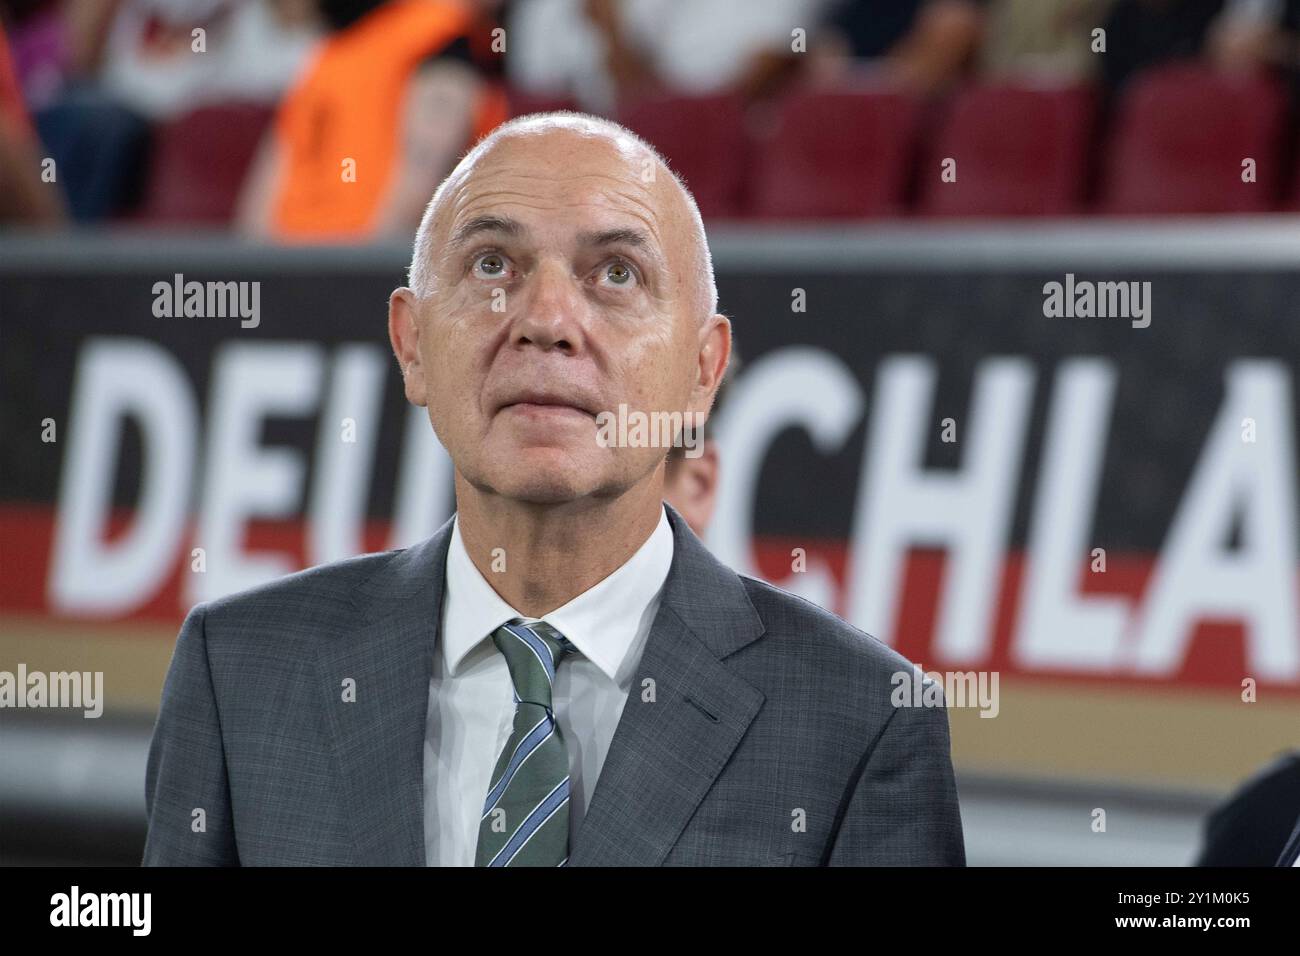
482 224
614 237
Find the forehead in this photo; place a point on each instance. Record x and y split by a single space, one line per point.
564 178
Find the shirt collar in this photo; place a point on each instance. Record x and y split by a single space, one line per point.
603 623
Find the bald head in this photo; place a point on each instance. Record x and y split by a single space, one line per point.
560 273
629 156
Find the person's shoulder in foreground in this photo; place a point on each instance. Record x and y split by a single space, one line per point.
772 713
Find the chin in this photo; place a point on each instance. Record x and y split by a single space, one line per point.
543 476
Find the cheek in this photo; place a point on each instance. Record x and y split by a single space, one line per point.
446 353
655 370
453 342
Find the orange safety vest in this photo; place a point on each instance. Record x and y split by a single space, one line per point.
348 106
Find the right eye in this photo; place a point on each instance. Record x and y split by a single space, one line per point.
490 265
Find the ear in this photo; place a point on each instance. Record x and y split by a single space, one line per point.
715 354
404 333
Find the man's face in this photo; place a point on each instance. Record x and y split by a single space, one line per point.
561 288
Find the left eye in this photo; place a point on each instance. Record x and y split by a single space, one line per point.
619 273
490 265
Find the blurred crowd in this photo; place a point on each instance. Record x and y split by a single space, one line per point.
281 103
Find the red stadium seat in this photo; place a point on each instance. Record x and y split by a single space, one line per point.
1019 151
198 163
703 138
836 154
1181 134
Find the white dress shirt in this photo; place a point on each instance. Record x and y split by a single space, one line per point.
471 704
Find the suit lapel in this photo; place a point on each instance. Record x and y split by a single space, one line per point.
387 650
685 714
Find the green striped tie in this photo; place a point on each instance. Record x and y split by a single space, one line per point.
525 818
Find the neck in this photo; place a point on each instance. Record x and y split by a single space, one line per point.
540 557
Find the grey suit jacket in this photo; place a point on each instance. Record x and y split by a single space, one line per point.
758 731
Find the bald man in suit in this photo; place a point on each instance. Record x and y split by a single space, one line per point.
562 675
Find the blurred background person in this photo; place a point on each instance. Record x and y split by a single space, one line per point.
1144 33
691 483
101 73
1254 35
919 45
1047 40
605 53
43 46
24 197
149 60
389 102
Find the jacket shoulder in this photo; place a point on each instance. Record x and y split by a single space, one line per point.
313 594
801 625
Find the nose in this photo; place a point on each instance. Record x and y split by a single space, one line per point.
551 314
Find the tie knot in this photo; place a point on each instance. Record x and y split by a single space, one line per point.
533 651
